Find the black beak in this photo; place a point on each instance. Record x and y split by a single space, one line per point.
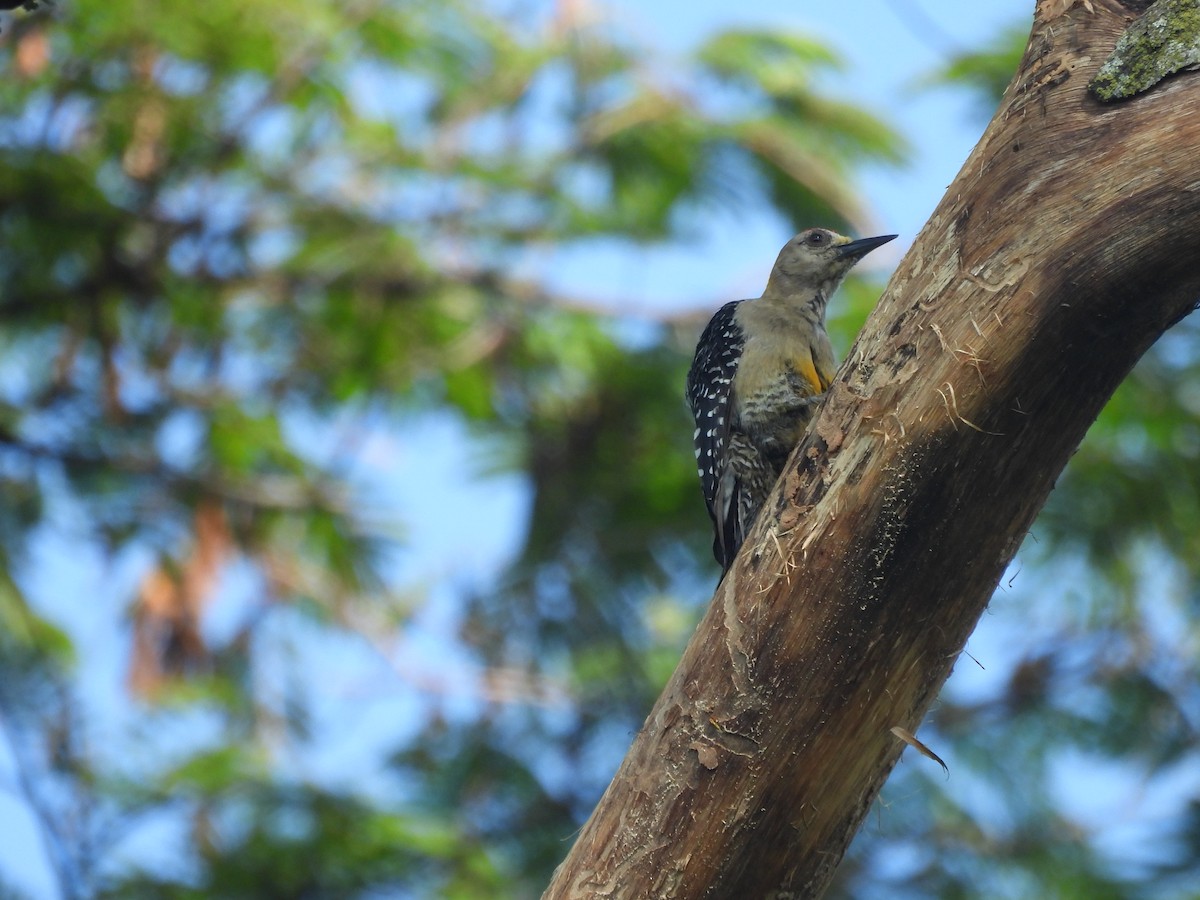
860 248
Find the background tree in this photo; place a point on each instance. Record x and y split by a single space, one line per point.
246 249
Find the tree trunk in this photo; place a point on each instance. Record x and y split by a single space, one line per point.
1067 244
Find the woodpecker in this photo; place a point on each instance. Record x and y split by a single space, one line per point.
760 367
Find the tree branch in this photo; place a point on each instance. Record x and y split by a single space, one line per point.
1066 245
277 492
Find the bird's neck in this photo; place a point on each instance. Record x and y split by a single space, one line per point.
801 292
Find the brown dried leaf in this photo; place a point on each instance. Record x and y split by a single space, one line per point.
166 632
32 54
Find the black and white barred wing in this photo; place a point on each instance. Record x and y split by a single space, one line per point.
710 395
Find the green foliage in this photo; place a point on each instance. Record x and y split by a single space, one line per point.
239 241
985 72
268 840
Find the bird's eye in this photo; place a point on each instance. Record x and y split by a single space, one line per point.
816 238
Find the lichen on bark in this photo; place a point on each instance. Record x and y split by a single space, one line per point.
1163 40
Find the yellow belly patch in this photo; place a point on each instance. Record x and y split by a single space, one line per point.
807 369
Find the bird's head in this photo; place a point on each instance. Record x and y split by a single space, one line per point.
816 260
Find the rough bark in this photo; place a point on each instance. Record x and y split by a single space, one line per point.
1067 244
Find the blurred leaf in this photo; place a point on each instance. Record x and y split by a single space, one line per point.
984 73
